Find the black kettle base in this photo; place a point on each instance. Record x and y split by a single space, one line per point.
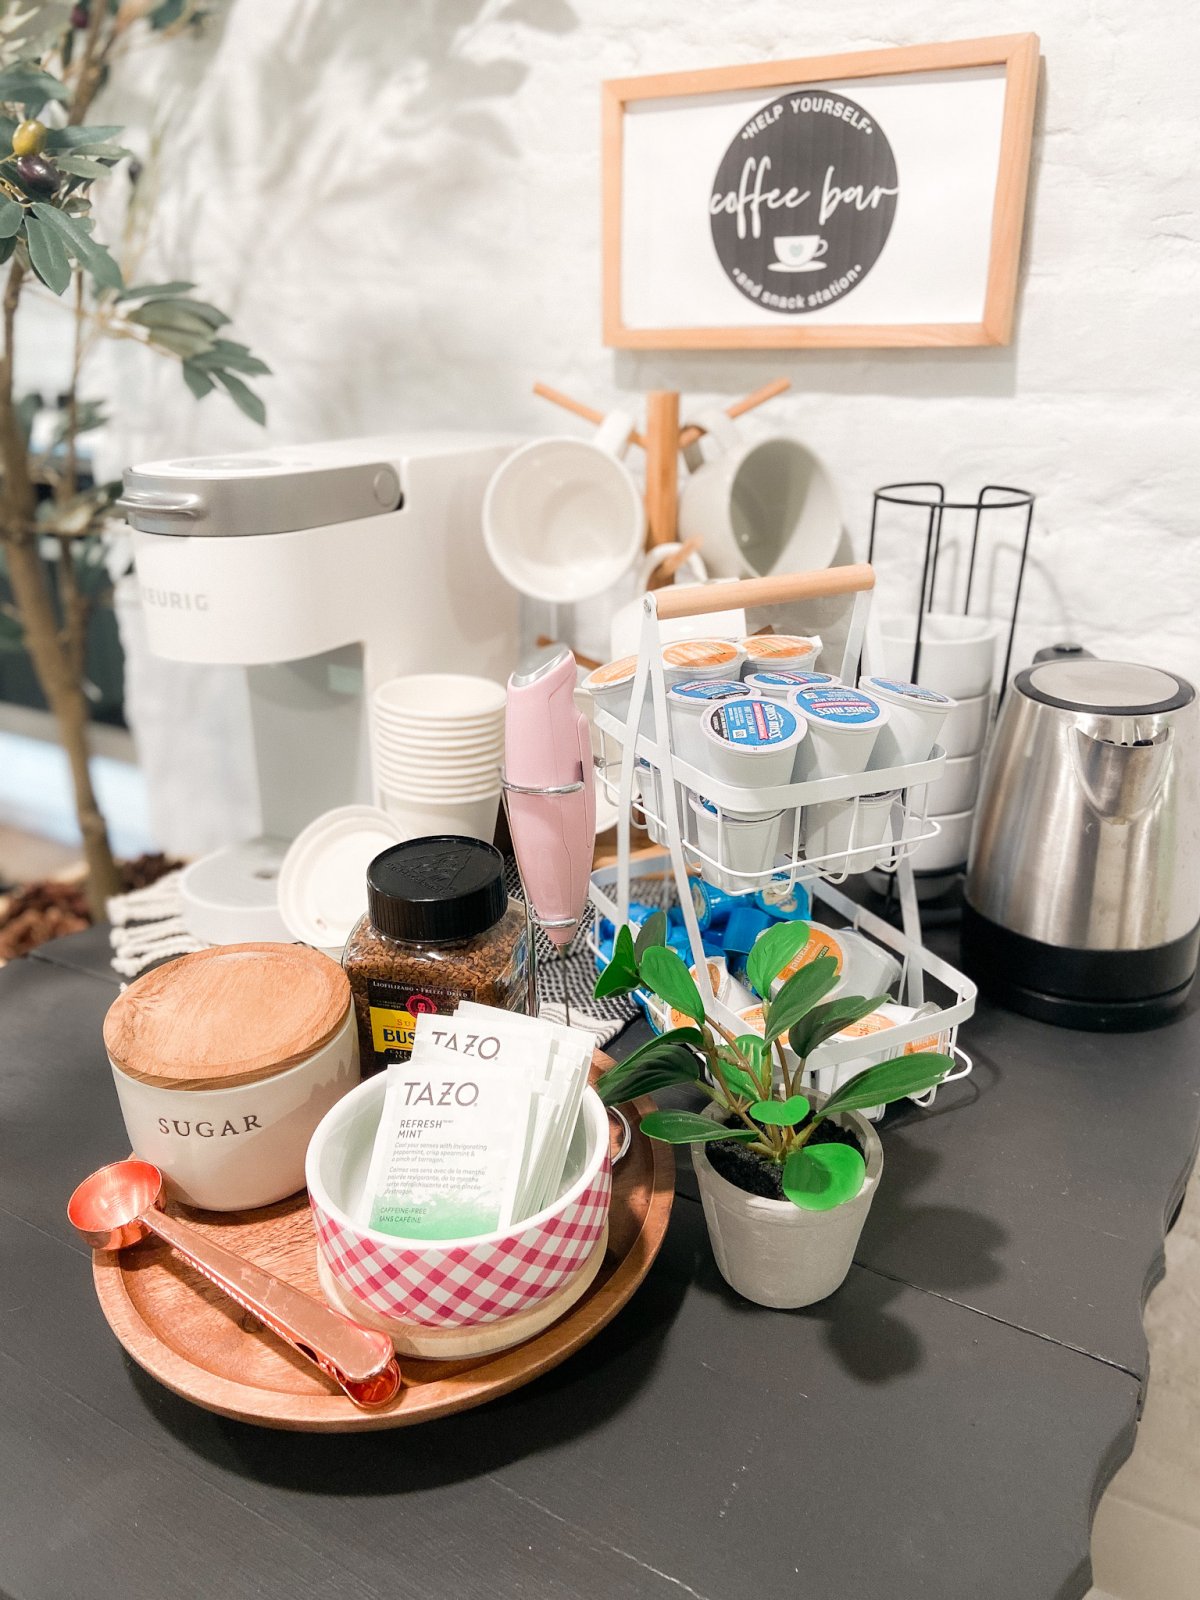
1107 991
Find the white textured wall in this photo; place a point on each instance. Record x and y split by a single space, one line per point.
400 205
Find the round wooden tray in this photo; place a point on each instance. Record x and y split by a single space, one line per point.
197 1342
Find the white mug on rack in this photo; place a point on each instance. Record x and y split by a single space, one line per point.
758 506
563 518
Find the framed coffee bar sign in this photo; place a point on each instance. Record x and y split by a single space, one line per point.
854 200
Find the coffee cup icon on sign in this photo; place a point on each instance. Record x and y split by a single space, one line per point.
799 252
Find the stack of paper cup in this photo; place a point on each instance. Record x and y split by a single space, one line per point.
437 747
958 660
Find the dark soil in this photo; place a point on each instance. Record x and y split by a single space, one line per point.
751 1172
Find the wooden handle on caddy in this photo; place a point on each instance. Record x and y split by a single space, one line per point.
698 600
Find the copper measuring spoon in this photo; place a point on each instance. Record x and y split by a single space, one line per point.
122 1203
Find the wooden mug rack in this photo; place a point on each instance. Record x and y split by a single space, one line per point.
662 440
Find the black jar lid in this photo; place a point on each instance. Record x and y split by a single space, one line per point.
430 891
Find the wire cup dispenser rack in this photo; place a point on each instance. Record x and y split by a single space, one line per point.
644 736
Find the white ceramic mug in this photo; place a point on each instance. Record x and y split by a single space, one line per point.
958 654
758 506
563 518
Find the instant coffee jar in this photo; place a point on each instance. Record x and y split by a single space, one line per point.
439 928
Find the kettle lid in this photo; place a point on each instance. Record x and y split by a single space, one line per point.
1115 688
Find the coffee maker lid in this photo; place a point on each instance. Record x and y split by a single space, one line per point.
1113 688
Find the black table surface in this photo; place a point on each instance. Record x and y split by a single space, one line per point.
940 1427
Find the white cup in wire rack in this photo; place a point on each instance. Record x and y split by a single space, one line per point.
842 835
686 705
757 506
744 844
958 654
563 518
843 726
752 742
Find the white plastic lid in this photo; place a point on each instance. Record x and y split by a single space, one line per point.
902 693
323 879
699 692
840 708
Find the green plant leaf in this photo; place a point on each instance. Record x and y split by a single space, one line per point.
652 932
12 635
799 995
47 255
788 1113
92 257
663 971
182 342
11 217
734 1078
621 973
665 1051
79 136
819 1177
243 397
7 246
822 1022
27 85
649 1078
773 950
167 312
225 353
151 291
81 167
888 1081
198 382
688 1127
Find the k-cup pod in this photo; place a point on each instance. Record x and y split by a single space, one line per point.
915 720
873 1030
686 703
847 833
966 727
863 967
957 657
611 689
958 786
740 843
690 659
780 652
752 741
843 725
782 685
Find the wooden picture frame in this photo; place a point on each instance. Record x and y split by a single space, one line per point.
1016 54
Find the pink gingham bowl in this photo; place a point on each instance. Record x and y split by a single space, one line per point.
449 1284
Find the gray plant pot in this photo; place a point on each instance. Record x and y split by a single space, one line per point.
771 1251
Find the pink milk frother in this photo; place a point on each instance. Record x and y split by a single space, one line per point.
550 792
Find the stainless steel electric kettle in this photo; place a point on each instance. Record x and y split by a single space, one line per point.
1082 901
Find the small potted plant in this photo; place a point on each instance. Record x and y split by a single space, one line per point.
786 1179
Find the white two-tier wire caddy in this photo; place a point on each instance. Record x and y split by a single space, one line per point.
668 784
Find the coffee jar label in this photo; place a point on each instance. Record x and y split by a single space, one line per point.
394 1009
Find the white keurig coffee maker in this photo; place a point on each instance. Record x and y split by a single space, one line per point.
323 570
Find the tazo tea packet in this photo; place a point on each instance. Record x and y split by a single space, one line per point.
448 1154
564 1077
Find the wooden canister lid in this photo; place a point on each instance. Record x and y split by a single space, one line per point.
235 1014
